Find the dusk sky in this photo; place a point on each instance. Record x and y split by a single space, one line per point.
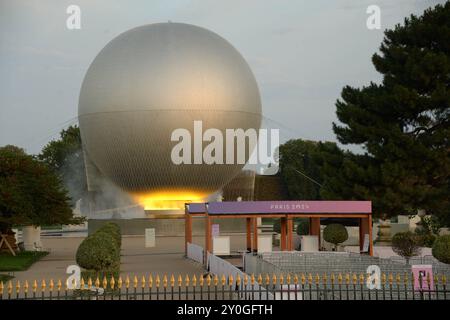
302 54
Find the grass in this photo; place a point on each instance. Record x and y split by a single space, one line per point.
22 261
5 277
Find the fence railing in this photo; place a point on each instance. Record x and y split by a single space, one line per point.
341 286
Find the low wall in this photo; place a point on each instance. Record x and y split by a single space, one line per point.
167 227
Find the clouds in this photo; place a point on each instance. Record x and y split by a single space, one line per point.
302 53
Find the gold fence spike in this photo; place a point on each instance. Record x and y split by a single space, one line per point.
89 283
143 281
59 284
230 280
82 283
428 279
332 278
180 280
238 280
281 279
97 282
295 279
267 279
259 279
17 285
347 278
383 278
150 281
165 281
274 279
186 280
10 287
119 282
43 285
216 280
398 278
51 285
25 287
245 279
405 278
172 280
354 279
317 278
127 282
34 286
324 278
1 288
112 282
303 278
310 278
201 280
157 281
444 279
208 280
340 278
391 279
223 280
105 282
135 281
361 278
194 280
252 279
288 278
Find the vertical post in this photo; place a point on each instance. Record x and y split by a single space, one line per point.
314 228
207 236
249 233
187 230
365 227
283 234
255 234
290 226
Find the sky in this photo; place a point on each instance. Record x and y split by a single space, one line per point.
301 52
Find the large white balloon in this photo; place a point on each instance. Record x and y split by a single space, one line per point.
154 79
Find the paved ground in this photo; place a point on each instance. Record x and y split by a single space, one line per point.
165 258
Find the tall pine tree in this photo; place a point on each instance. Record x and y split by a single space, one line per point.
403 124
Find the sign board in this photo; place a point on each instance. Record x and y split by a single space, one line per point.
264 243
366 243
215 230
422 273
150 237
262 207
221 246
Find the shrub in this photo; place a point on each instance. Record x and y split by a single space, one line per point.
114 230
335 233
303 227
426 240
277 226
99 252
406 245
441 249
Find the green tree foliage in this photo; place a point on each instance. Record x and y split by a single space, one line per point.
335 233
303 227
403 123
65 157
30 193
304 164
406 244
441 249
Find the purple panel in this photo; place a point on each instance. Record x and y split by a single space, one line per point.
196 207
245 207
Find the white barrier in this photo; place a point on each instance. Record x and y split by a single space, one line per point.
220 267
195 252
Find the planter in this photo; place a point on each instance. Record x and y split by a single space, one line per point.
31 237
384 233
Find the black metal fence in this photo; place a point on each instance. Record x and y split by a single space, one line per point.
340 286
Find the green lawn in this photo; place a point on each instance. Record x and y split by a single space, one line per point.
5 277
22 261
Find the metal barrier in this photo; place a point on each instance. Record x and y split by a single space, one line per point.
341 286
195 252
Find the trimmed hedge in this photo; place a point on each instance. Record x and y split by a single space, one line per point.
441 249
406 244
100 252
335 233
